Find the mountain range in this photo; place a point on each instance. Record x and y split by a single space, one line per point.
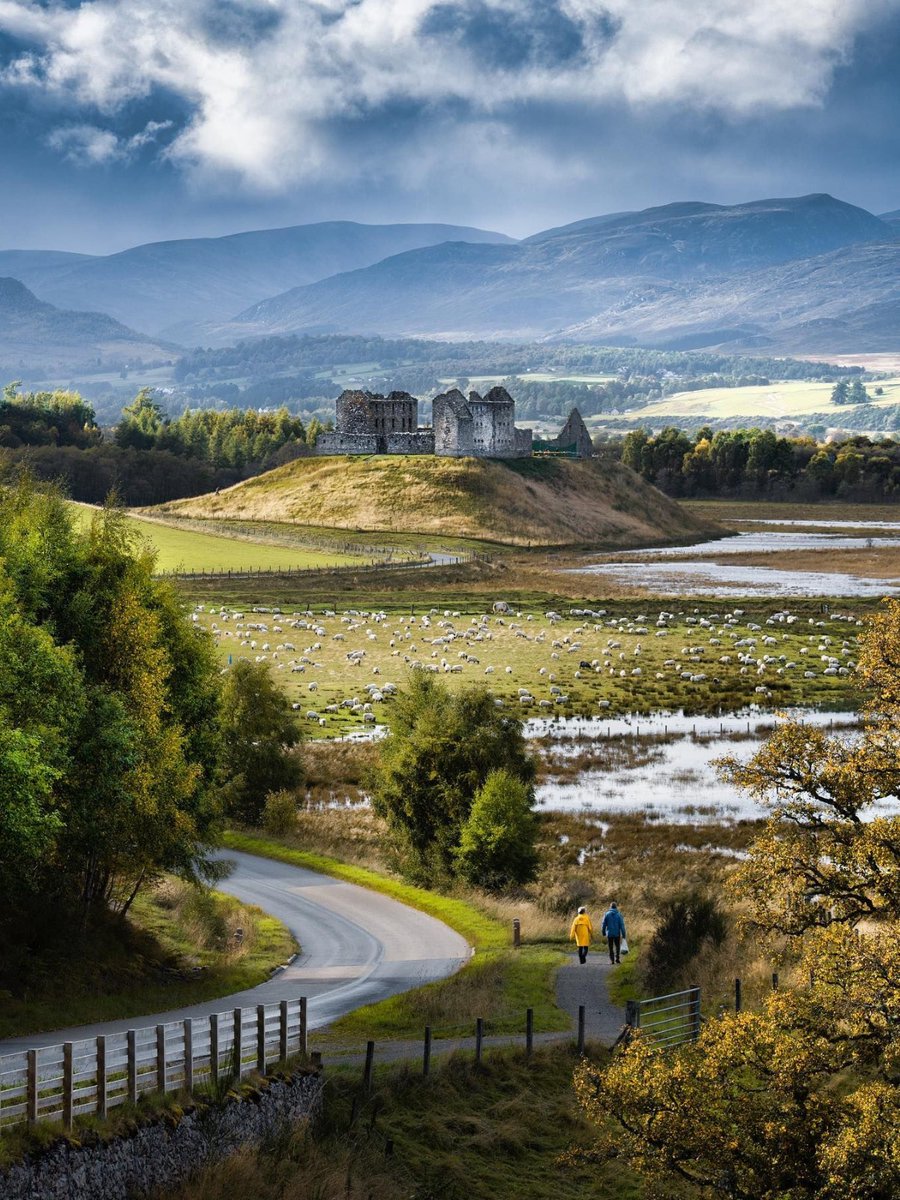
769 273
809 273
162 286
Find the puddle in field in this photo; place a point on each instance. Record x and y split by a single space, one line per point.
662 766
691 575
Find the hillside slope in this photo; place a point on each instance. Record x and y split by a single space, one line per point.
527 502
170 286
34 333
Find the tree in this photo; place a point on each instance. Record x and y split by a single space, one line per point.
857 393
108 700
497 843
798 1101
259 731
142 422
442 747
840 392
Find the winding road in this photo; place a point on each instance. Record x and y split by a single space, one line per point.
357 947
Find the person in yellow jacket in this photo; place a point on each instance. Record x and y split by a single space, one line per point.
582 931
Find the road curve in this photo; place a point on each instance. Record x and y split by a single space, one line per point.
357 947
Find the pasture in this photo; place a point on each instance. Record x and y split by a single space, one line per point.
193 550
795 398
341 667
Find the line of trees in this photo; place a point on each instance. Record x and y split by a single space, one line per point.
749 463
122 746
150 458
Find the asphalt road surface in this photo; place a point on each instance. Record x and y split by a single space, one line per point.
357 947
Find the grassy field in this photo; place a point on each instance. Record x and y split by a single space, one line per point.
791 399
338 667
180 549
176 948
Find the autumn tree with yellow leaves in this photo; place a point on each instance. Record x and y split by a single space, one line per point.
799 1100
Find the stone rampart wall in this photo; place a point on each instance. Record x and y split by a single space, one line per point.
421 442
346 443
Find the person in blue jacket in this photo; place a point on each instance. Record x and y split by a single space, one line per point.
613 929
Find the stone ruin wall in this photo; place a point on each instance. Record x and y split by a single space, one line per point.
452 426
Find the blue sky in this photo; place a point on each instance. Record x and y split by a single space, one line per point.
124 121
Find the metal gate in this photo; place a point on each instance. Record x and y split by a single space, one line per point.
669 1020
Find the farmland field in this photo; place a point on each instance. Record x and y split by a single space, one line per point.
192 550
791 399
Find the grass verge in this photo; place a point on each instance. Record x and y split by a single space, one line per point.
176 948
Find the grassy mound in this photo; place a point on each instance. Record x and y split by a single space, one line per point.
544 502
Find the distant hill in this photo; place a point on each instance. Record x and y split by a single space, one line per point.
892 218
36 334
534 501
653 277
166 288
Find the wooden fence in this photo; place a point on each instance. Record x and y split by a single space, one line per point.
91 1076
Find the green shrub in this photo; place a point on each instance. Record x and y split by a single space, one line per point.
686 925
497 847
279 813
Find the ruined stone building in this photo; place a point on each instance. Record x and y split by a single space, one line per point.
478 426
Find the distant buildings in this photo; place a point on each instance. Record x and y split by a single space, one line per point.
480 427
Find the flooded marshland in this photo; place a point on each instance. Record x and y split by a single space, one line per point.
662 767
714 568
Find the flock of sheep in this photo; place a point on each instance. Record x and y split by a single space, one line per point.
556 652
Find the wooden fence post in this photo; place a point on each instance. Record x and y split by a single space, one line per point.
774 981
188 1073
517 933
238 1043
738 999
283 1030
68 1085
214 1048
161 1058
581 1029
101 1077
479 1038
529 1031
261 1038
31 1100
367 1070
304 1029
426 1052
632 1014
131 1039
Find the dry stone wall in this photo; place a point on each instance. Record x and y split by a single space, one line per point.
164 1153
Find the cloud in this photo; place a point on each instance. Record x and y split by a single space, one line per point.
89 145
271 84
